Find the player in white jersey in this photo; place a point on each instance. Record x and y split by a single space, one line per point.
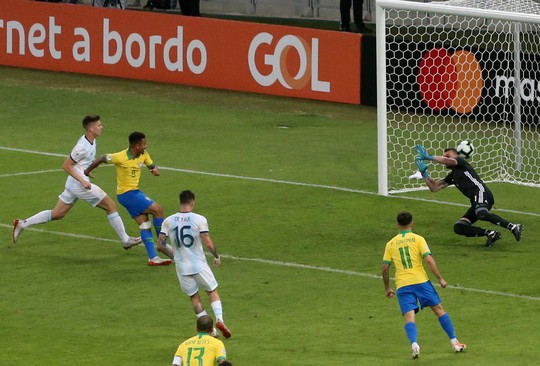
78 186
187 231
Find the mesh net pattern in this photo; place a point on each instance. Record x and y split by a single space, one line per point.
456 77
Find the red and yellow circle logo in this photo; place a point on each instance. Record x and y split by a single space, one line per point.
450 80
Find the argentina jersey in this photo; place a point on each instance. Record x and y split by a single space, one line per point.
184 230
82 154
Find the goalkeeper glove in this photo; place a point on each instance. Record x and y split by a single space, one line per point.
422 153
422 166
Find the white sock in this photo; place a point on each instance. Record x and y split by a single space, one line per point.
118 225
218 310
39 218
201 314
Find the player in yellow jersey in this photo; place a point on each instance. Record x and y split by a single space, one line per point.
202 349
128 164
406 251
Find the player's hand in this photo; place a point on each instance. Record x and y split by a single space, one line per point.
166 249
422 166
217 262
443 283
86 185
155 171
390 293
422 152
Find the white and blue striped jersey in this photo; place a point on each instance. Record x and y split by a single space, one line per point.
82 154
184 230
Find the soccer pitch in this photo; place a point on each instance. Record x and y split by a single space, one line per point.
289 190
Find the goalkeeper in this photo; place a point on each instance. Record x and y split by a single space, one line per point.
465 178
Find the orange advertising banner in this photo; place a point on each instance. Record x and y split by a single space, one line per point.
222 54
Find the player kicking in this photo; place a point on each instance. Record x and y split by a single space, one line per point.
465 178
128 164
78 186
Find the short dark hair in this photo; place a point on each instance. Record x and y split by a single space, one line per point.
89 119
186 196
450 149
225 363
404 218
136 137
205 324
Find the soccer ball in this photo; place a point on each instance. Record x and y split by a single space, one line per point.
465 149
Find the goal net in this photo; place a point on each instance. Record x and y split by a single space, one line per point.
458 70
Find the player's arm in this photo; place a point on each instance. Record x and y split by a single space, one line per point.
69 167
95 164
424 155
205 237
386 280
445 161
433 267
435 185
150 164
162 246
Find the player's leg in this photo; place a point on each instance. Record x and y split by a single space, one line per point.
63 205
190 287
145 228
157 216
148 239
198 307
408 303
206 279
446 324
428 296
137 204
483 206
98 198
412 333
464 226
485 215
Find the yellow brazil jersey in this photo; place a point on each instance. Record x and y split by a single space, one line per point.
406 251
201 350
128 169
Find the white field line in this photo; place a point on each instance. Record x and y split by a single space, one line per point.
31 173
291 265
322 186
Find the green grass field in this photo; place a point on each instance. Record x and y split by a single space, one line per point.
288 187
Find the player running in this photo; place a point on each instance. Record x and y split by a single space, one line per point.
128 164
187 231
78 186
406 251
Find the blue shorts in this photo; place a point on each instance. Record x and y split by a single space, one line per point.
410 296
136 202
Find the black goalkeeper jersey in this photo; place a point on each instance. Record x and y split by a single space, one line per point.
467 180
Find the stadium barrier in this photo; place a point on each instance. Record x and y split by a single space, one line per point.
260 58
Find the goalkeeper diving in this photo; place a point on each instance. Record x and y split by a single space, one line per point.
465 178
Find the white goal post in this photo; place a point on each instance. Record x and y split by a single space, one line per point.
458 70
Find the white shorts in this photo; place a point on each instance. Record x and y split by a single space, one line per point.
93 196
204 279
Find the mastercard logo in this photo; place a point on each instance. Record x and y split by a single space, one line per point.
449 80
